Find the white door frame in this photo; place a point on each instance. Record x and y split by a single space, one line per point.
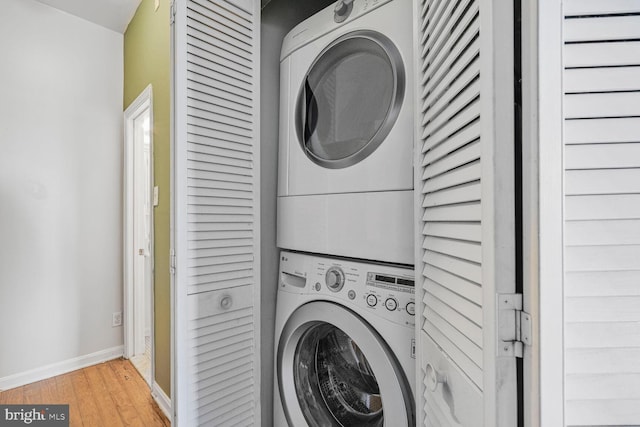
132 305
543 194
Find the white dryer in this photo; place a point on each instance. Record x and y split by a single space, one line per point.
345 183
345 348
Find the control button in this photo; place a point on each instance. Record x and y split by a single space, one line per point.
352 294
411 308
334 279
372 300
318 286
391 304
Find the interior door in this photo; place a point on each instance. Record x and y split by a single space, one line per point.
466 213
601 141
215 202
141 212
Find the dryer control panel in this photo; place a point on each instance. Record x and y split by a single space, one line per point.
340 13
384 290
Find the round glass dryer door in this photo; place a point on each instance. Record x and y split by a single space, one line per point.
350 99
339 372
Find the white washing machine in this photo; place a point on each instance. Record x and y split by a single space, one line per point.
345 181
344 345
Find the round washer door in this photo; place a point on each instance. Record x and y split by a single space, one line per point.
335 370
350 99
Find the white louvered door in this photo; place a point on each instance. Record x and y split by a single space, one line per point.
466 254
601 82
216 213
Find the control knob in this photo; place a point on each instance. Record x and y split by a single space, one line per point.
334 279
342 10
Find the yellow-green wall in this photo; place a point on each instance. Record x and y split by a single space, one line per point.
147 61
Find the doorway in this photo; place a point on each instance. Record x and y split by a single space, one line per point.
138 235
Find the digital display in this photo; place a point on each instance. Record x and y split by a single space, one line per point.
385 279
406 282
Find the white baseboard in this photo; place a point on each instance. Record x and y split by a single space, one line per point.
161 398
59 368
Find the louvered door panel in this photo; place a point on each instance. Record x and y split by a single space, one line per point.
224 48
457 171
443 268
602 212
216 60
222 355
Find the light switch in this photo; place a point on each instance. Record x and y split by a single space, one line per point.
155 196
157 5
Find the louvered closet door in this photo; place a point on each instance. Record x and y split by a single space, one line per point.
467 371
602 211
216 204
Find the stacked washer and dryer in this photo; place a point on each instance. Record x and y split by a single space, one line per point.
345 304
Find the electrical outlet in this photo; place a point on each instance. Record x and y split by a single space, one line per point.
117 319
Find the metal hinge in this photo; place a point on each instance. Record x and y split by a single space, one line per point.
514 326
172 12
172 266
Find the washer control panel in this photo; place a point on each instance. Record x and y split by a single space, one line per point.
391 293
384 290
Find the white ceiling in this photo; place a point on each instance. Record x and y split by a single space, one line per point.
112 14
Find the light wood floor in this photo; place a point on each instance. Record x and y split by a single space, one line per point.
110 394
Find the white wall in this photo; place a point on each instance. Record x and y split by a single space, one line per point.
61 86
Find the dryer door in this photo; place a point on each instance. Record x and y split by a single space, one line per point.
334 369
350 99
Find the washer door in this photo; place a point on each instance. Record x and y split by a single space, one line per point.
335 370
350 99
